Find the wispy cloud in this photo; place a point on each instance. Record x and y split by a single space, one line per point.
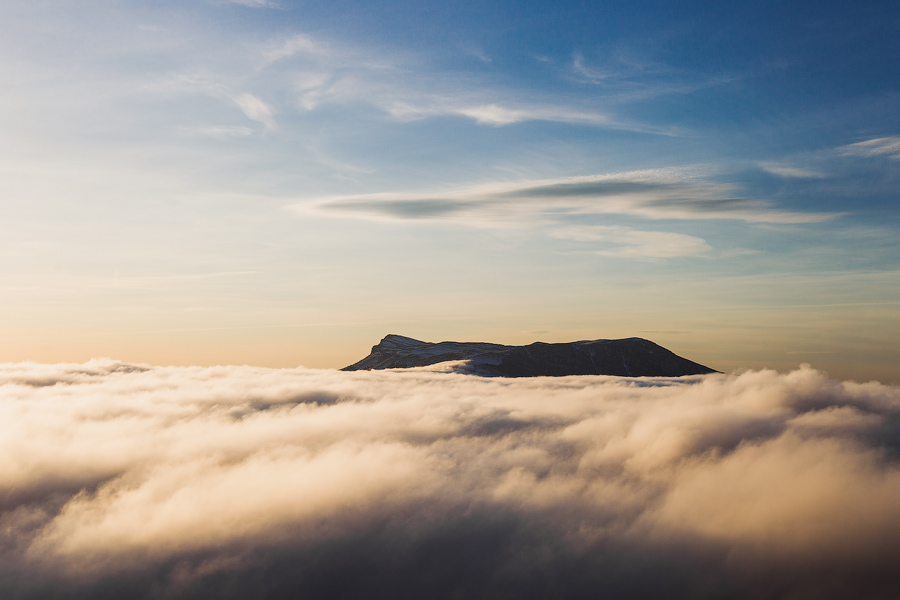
589 73
497 114
254 3
787 170
302 73
296 44
210 86
634 243
657 194
255 109
626 78
885 146
326 73
475 51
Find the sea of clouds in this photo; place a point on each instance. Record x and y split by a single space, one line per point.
134 481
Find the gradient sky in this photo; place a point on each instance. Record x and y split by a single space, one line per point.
283 182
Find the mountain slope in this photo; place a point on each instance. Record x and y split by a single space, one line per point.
630 357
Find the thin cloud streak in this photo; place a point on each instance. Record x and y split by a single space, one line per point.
885 146
254 3
636 243
169 482
786 170
628 79
659 194
296 44
497 115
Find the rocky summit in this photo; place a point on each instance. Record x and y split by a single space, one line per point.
629 357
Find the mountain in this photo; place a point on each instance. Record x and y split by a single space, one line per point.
630 357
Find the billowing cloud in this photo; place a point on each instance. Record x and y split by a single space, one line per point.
125 480
656 194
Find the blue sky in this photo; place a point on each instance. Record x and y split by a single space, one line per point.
282 183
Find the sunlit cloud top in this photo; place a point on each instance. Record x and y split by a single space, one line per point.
188 482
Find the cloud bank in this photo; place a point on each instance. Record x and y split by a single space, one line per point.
125 480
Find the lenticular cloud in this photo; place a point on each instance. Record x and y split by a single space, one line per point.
134 481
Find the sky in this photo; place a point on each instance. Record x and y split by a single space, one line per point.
280 183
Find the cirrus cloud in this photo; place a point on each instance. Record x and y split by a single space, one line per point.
636 243
651 194
885 146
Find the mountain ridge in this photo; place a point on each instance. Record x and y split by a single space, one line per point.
627 357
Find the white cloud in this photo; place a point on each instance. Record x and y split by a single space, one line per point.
252 106
255 109
785 170
326 73
591 74
632 76
886 146
296 44
657 194
254 3
175 476
492 114
635 243
476 52
496 114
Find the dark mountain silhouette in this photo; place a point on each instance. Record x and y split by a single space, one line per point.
630 357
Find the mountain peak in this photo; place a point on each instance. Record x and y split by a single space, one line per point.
392 340
629 357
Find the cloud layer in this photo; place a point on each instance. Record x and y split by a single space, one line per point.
127 480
